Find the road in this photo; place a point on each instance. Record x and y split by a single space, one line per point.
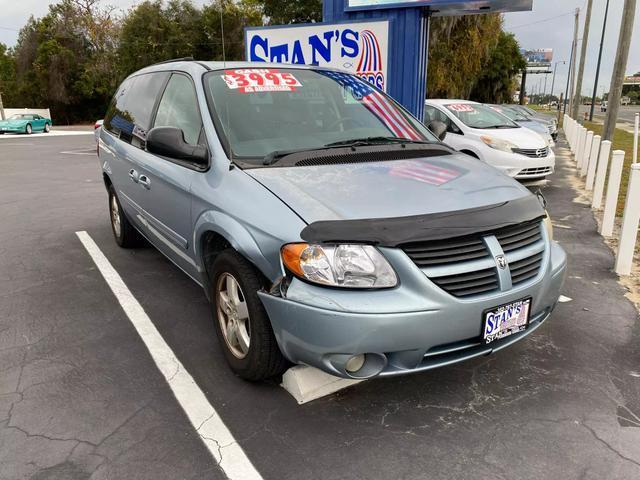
81 398
626 114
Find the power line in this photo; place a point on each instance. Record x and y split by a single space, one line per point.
539 21
7 28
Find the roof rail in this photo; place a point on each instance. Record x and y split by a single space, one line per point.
183 59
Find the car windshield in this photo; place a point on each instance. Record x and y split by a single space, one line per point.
263 112
511 114
475 115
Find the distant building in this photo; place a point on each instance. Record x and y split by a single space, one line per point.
631 84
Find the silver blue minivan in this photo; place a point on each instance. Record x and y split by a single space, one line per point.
327 226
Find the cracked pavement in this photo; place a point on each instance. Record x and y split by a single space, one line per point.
80 397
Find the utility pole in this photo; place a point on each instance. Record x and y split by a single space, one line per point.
595 83
573 63
619 68
544 90
553 79
585 42
1 108
566 92
523 85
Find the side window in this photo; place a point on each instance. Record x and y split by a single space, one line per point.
436 114
129 115
179 108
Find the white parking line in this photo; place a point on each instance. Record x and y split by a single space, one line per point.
212 430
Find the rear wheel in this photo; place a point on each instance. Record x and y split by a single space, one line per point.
124 233
28 130
242 324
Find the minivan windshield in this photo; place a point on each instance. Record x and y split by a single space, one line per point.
266 111
475 115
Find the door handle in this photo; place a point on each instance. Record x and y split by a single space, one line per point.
144 181
133 175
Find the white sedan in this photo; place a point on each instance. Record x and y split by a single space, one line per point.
479 131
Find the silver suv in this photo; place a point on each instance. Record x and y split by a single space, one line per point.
327 225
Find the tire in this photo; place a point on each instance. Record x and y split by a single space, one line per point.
47 128
124 233
28 130
262 358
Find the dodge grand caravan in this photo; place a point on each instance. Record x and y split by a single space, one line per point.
326 225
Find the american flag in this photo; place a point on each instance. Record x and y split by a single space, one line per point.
422 171
378 104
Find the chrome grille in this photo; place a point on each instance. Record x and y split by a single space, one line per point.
465 267
532 152
468 284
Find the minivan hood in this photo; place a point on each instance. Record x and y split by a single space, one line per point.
388 189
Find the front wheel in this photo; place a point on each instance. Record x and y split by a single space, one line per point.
47 128
28 130
242 324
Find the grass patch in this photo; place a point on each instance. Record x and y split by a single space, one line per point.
621 141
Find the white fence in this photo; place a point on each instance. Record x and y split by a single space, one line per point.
592 159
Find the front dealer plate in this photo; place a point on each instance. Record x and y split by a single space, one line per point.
505 320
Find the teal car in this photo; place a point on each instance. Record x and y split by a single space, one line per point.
25 123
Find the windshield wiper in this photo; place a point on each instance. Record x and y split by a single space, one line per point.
272 157
354 142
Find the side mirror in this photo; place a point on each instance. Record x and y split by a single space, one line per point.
438 128
170 142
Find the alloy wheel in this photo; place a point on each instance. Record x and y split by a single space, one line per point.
233 315
115 216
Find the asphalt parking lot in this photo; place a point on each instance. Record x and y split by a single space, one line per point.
81 397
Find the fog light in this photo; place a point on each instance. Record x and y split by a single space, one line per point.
355 363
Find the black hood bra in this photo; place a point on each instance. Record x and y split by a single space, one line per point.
392 232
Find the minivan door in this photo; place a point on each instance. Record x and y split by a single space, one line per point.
123 139
167 202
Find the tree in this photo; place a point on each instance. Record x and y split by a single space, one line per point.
152 33
7 75
291 11
235 16
459 49
63 60
495 83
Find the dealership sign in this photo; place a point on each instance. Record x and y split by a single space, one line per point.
358 47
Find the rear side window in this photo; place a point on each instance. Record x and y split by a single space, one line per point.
129 115
179 108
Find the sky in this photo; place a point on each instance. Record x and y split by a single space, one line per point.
549 25
539 29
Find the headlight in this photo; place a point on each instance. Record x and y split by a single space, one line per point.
499 144
349 266
548 225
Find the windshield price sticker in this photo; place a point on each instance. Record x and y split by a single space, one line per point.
461 107
260 80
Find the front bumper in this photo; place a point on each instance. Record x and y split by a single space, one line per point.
520 166
413 327
10 129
